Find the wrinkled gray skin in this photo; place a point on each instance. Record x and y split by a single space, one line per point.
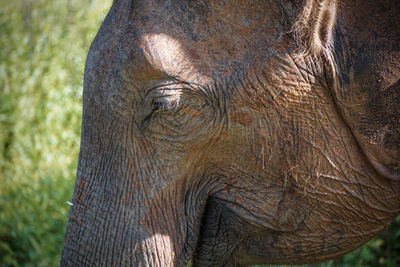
237 133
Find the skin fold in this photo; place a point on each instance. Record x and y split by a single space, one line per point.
233 133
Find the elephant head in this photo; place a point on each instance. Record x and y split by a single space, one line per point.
237 132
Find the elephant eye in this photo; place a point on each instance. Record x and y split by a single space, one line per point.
166 103
175 109
166 97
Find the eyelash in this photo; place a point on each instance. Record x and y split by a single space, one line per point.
165 104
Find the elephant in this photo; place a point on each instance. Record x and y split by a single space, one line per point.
234 133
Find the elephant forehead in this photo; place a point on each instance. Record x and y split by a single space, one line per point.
203 42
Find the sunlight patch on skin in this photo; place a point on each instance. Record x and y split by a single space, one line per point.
162 247
166 54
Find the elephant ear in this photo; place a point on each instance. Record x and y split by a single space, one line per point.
313 29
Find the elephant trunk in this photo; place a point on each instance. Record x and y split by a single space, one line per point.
112 226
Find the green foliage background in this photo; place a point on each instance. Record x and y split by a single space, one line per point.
43 46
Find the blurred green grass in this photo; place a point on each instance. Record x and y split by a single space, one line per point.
43 48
